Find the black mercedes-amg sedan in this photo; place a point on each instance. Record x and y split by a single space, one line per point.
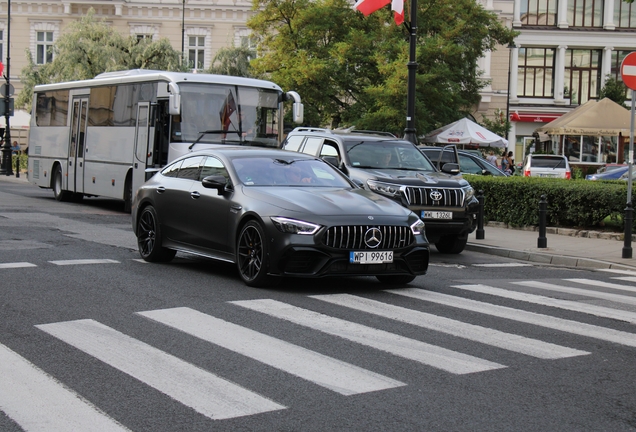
276 213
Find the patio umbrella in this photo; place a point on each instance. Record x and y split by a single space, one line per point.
465 131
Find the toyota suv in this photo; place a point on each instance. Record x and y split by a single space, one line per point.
397 169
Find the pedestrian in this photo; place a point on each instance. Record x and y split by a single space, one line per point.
15 147
511 163
492 158
505 163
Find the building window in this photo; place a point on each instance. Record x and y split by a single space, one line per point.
624 14
196 47
615 72
44 47
585 13
141 37
539 12
536 72
582 75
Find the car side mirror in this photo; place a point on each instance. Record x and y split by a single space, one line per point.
450 168
214 182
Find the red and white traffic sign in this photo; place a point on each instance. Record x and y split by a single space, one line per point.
628 70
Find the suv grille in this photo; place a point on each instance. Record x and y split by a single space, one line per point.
352 237
422 196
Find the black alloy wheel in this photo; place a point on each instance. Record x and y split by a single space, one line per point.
252 257
149 238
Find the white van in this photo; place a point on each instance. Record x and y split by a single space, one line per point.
545 165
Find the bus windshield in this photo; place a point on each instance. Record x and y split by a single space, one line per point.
227 114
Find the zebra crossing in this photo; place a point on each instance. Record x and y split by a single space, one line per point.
37 401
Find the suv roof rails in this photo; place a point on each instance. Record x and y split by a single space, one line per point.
370 132
311 129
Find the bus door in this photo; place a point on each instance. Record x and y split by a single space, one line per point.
143 152
77 144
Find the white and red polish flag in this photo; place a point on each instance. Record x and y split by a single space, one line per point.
367 7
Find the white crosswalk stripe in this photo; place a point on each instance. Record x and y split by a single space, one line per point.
578 291
575 306
602 284
424 353
39 403
520 344
84 261
203 391
540 320
333 374
16 265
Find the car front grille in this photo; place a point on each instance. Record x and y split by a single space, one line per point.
352 237
422 196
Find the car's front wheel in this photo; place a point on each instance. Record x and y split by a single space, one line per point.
395 279
252 256
149 238
451 244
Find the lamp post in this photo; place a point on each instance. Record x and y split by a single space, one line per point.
511 46
182 31
410 132
6 168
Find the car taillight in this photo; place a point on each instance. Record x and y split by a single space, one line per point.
568 175
526 173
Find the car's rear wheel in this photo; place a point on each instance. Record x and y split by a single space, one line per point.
395 279
149 238
252 256
451 244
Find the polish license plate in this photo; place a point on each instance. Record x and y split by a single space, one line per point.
376 257
437 215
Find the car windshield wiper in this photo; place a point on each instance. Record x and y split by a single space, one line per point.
204 133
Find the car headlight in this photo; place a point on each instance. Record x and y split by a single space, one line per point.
387 189
418 227
469 192
293 226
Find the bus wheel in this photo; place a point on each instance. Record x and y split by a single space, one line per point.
149 238
128 193
58 192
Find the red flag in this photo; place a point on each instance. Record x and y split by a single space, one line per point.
397 6
367 7
229 106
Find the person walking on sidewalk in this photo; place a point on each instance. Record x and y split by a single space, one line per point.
492 158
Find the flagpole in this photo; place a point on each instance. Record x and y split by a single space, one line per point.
410 132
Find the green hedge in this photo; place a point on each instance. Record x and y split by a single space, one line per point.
571 203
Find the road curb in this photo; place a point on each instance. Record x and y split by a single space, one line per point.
544 258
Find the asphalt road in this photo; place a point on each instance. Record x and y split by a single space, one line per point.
92 338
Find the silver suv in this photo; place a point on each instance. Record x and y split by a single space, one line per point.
397 169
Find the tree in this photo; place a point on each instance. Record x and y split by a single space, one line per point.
614 90
499 125
233 61
89 47
352 70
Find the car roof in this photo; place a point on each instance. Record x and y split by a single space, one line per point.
348 135
240 151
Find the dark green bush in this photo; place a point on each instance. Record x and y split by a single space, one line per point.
571 203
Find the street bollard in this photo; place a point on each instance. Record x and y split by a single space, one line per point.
542 241
629 218
479 234
17 165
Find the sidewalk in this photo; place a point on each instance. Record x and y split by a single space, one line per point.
565 247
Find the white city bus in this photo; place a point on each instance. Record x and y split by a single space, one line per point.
105 136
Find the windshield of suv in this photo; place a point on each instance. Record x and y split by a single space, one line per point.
401 155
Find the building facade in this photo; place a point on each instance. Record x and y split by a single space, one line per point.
199 28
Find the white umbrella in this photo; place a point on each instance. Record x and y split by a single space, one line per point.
465 131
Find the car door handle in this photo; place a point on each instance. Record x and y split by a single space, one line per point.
161 189
195 194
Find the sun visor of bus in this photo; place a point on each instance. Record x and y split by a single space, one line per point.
298 109
174 104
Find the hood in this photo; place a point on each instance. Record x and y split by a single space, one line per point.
327 201
407 177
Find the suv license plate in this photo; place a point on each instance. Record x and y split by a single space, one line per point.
437 215
377 257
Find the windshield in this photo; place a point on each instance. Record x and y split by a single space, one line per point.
268 171
213 113
387 155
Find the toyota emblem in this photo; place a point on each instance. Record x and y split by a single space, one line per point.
435 195
373 237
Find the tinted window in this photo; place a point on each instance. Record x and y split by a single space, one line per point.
51 108
548 162
190 168
213 166
172 170
293 142
387 154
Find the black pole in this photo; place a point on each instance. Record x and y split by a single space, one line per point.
629 213
479 234
5 167
182 31
629 220
410 132
542 241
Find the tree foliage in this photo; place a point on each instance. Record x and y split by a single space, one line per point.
352 70
498 125
233 61
614 90
89 47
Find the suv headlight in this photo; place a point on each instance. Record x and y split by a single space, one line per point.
469 192
387 189
293 226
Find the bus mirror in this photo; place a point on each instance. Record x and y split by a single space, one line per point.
174 104
298 112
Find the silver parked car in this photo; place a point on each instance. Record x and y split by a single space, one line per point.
546 165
